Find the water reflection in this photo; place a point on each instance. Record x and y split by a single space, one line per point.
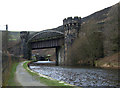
80 76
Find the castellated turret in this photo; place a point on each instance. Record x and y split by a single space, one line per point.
71 31
71 27
24 48
24 35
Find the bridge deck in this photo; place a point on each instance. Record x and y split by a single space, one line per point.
53 43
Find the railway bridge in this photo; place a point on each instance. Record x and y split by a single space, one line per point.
60 38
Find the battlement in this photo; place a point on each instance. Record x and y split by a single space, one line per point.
24 34
72 21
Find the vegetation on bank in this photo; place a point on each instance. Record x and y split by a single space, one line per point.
9 76
11 79
47 80
106 61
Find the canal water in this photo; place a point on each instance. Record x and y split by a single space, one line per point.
83 76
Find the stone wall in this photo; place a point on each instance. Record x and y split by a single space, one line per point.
61 56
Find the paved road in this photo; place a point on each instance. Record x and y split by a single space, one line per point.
25 79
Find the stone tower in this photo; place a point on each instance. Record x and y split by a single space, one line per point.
24 48
71 31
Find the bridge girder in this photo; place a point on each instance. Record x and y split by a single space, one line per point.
47 44
44 31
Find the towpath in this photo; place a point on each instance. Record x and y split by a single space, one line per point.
24 78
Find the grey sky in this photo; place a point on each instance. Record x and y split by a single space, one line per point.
36 15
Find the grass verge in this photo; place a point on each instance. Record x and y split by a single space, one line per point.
11 80
47 80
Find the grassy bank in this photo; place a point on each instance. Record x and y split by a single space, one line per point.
109 61
47 80
11 80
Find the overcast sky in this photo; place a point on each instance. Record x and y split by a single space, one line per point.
37 15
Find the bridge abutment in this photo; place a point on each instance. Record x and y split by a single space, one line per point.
61 56
57 55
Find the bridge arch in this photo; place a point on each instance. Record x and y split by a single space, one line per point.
49 41
44 31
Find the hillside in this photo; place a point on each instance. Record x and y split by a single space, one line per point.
105 21
14 35
98 37
102 14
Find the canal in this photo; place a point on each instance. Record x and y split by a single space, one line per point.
84 76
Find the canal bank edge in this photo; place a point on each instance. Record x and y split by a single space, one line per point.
26 66
111 62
